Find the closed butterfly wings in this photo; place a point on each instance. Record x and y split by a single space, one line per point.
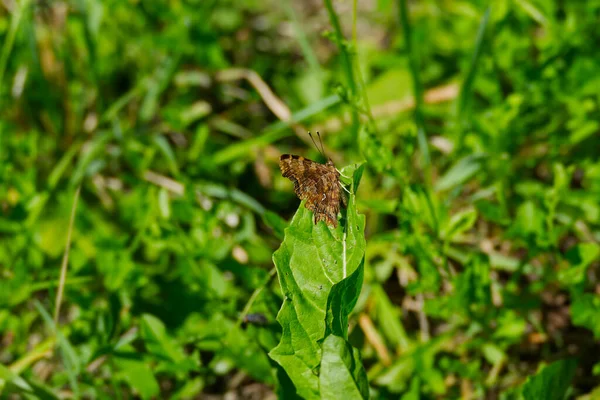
318 184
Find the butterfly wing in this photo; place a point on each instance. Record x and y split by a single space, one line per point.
316 183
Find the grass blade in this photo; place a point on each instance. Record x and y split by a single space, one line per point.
15 22
307 51
273 132
467 86
346 65
417 86
65 261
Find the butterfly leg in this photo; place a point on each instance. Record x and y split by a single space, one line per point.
344 187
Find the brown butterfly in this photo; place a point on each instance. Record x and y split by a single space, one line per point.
318 184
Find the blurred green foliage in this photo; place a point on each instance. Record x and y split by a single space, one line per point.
479 124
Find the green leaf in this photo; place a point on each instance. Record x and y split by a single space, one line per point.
89 153
585 312
552 382
379 156
389 318
418 361
7 376
138 374
71 361
466 90
165 149
473 285
580 257
11 383
413 63
459 173
529 221
391 85
459 223
158 341
248 355
342 372
341 302
311 263
275 222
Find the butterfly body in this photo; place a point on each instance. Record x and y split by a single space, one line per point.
318 184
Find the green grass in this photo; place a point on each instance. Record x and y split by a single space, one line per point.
141 200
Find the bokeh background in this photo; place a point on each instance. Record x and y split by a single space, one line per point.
479 123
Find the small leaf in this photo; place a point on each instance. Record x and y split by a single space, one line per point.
275 222
138 375
377 155
11 383
342 373
157 341
552 382
529 221
389 318
459 173
459 223
580 257
164 147
585 312
164 204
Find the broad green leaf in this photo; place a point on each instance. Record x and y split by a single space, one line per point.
311 263
342 373
341 302
552 382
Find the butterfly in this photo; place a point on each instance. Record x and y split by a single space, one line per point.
318 184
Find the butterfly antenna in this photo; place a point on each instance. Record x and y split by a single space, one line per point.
315 143
321 141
